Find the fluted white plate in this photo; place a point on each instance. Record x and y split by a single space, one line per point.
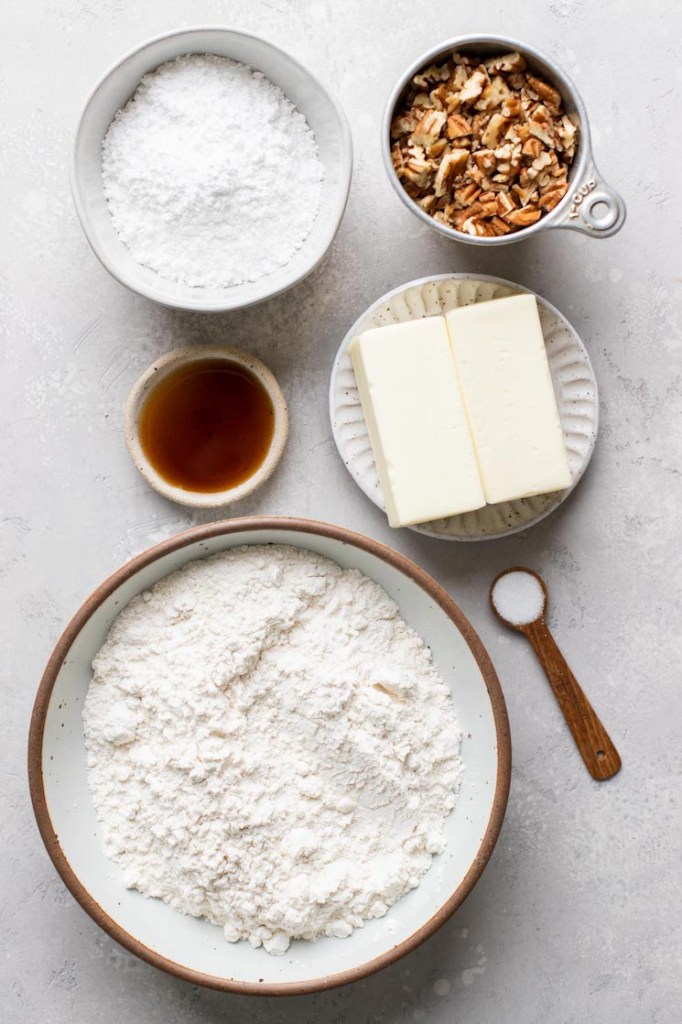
575 387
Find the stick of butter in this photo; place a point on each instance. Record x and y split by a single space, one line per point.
507 386
416 421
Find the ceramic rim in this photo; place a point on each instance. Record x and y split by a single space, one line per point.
345 536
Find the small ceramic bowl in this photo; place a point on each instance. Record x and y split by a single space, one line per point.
172 361
590 205
322 112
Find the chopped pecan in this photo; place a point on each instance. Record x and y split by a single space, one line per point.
505 203
474 226
524 217
540 132
468 194
485 159
488 209
483 145
473 87
439 97
437 148
403 126
417 170
538 165
508 62
426 202
546 92
532 148
428 76
456 82
525 192
553 196
450 166
512 106
499 226
429 127
494 95
459 126
494 129
463 58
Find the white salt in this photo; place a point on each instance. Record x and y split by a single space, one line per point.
518 597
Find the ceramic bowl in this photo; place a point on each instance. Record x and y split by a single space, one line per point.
153 376
191 948
575 388
590 205
323 113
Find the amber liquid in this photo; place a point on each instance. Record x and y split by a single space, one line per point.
207 426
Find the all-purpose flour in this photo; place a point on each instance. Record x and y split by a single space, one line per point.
211 174
270 746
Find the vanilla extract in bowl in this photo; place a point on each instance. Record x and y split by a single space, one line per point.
207 426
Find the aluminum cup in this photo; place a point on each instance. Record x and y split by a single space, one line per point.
590 205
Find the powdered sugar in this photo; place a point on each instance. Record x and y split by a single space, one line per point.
211 174
270 746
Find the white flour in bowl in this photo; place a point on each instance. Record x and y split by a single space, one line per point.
270 747
211 174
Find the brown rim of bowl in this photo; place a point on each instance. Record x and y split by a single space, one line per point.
210 530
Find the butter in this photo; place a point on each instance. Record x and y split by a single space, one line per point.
507 386
416 421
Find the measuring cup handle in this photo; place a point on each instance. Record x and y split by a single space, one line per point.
595 208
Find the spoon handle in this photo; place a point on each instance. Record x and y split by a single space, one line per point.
596 749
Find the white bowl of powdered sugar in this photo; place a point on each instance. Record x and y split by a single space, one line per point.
270 756
210 170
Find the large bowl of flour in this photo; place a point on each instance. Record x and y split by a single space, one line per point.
269 756
210 170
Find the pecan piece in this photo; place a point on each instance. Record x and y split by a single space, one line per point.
508 62
450 167
540 132
505 203
547 93
429 128
532 148
485 159
524 217
499 226
553 196
459 126
492 133
494 95
473 87
468 194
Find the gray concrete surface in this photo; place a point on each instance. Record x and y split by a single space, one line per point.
577 916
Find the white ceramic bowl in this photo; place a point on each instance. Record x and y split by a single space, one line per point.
172 361
194 949
323 113
575 387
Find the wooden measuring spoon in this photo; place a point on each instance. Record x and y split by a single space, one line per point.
521 605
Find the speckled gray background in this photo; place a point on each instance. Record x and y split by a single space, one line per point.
577 917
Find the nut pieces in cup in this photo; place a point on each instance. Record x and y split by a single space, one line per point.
483 145
588 204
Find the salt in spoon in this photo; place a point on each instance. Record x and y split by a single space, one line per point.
519 599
